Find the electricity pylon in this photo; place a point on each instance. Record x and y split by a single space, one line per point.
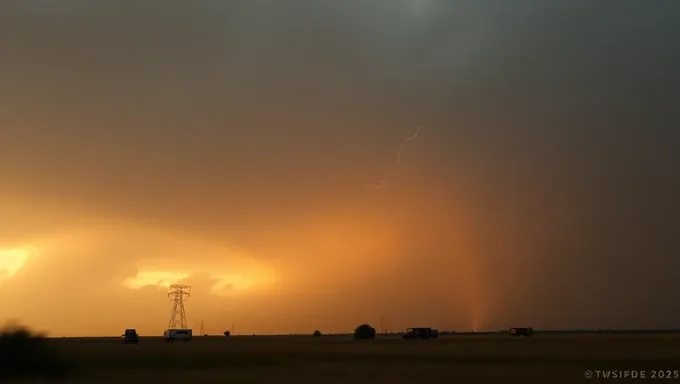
178 316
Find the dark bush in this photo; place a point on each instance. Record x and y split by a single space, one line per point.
364 331
316 333
227 333
25 353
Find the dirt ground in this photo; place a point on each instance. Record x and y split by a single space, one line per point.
339 359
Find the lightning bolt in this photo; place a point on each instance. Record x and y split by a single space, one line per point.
357 246
401 146
386 178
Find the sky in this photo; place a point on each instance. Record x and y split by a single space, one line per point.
239 147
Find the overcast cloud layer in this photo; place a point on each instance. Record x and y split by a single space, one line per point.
237 145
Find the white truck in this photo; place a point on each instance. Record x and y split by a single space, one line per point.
177 335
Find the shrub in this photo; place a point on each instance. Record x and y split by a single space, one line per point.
25 353
364 331
227 333
316 333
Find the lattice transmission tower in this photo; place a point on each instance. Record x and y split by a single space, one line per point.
178 316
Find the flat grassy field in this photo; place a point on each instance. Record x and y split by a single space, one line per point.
340 359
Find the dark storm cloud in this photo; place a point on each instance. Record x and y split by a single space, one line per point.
553 126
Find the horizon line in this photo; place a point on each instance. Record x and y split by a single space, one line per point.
503 331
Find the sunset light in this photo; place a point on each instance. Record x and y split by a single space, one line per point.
318 165
155 278
234 283
11 260
228 283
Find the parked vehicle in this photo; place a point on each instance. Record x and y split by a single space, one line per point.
177 335
420 333
526 332
130 337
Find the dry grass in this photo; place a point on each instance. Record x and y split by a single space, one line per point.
306 359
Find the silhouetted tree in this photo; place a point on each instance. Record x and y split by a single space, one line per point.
227 333
25 353
316 333
364 331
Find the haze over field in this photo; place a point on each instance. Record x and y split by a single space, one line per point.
236 147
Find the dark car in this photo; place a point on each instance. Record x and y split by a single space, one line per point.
420 333
526 332
130 337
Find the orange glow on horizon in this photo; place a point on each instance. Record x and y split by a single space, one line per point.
299 276
157 278
11 260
